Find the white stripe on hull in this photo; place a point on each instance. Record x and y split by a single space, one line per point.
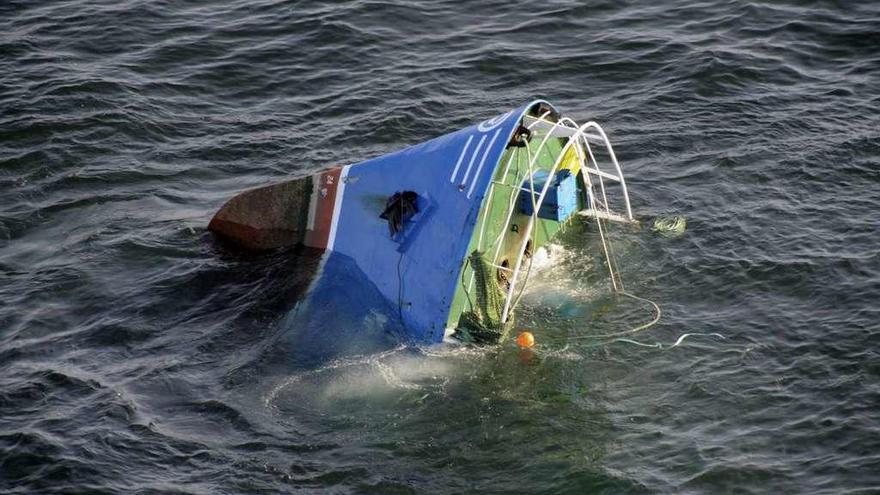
337 207
473 159
460 158
482 162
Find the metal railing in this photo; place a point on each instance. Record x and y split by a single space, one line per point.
579 138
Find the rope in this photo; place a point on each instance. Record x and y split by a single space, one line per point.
658 345
631 331
619 336
619 288
534 233
617 284
400 292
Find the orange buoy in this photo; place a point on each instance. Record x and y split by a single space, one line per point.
525 340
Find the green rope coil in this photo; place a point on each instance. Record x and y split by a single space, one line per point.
670 226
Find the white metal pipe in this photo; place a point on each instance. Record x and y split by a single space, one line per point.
602 174
489 200
529 227
598 128
601 182
602 137
531 163
543 125
574 134
510 207
596 213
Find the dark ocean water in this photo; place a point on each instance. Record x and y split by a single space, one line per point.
138 356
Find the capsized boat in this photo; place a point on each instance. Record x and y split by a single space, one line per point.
439 236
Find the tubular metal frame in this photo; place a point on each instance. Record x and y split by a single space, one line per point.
576 135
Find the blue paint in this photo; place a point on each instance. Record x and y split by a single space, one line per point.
343 314
421 266
560 202
427 209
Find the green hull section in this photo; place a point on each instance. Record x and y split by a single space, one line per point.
498 240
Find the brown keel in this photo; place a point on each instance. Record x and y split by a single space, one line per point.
267 217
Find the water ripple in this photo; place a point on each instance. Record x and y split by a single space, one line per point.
137 355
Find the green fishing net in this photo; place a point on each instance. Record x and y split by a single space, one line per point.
670 226
482 324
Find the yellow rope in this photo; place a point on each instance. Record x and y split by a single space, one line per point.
609 256
631 331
